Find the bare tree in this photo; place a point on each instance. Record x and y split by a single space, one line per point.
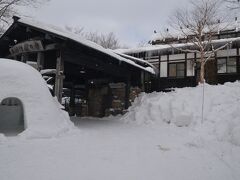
142 43
76 30
198 25
233 4
9 7
108 40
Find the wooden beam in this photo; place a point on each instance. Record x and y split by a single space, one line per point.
185 64
195 67
143 81
96 64
168 65
24 57
59 77
40 60
72 102
238 59
159 66
53 46
159 72
127 92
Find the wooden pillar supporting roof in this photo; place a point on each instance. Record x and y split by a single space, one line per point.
59 77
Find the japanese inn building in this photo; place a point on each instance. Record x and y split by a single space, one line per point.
85 77
92 81
178 69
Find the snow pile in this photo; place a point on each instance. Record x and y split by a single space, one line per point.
183 107
42 116
2 138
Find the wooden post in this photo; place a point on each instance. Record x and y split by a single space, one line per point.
238 59
168 65
40 60
159 66
185 69
159 73
59 77
72 111
127 93
143 81
196 69
24 58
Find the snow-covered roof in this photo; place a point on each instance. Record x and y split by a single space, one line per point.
217 28
141 61
167 46
71 36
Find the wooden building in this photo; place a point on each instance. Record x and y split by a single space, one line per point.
178 69
92 80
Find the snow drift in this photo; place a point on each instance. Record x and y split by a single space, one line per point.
183 107
42 115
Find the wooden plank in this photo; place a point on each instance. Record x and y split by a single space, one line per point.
26 47
59 77
40 60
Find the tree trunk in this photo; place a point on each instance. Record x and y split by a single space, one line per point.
202 73
202 70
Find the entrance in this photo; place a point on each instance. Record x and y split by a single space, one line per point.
11 116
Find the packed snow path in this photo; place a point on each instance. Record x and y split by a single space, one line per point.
112 149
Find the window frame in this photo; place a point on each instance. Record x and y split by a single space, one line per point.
227 65
177 64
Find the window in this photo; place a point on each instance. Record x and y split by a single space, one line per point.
227 35
227 65
176 70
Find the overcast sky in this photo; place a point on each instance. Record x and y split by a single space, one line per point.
132 21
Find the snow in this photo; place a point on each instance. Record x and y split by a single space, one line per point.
161 47
161 137
183 107
48 71
68 35
174 33
42 116
135 59
151 48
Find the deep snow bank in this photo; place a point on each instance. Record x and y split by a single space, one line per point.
183 107
42 115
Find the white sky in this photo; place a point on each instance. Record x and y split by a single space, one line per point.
132 21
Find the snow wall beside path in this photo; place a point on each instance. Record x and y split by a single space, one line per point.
183 107
42 116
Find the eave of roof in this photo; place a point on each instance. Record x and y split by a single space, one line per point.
73 37
170 46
